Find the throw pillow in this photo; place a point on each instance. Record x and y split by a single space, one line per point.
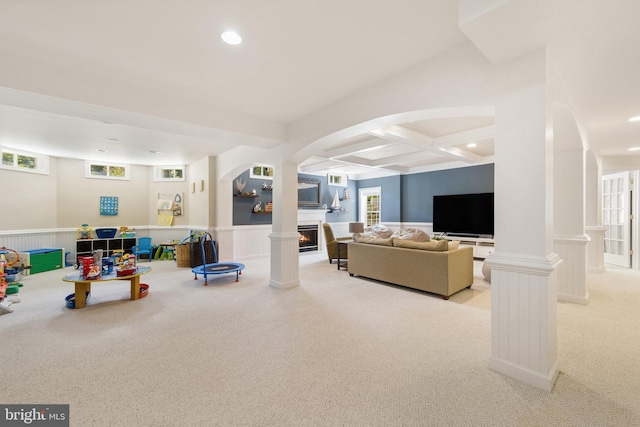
379 230
454 244
435 245
374 240
414 234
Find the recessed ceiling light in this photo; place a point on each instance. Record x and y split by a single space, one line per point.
634 148
635 119
231 37
471 144
156 152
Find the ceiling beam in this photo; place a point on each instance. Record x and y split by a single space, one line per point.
408 136
465 137
411 157
360 147
461 154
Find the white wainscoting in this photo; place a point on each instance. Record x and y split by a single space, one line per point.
251 241
24 240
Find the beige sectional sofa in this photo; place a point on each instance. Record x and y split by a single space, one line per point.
440 272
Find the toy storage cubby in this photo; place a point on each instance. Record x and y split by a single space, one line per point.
86 247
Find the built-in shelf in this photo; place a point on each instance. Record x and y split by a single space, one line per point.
251 196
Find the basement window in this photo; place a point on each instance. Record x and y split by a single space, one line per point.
168 173
106 170
261 172
24 161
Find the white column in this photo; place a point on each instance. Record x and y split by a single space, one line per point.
523 266
284 236
570 240
593 213
224 220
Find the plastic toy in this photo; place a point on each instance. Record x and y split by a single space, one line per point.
84 232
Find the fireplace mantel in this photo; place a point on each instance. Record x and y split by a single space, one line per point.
312 216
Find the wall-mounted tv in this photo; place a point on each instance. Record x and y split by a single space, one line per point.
463 214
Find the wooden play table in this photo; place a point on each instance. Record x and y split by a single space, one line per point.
83 286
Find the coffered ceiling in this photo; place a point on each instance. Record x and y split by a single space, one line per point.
410 147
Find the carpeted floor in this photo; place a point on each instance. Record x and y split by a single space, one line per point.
335 351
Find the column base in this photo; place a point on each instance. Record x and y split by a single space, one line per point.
284 285
595 249
285 260
572 280
574 299
543 382
523 317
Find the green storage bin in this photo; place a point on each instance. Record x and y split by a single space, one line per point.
45 259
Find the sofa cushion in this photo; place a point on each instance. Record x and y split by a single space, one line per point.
414 234
454 244
374 240
434 245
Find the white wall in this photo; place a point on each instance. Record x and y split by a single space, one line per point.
66 199
29 199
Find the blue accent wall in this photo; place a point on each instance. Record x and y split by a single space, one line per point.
391 187
405 198
418 189
243 206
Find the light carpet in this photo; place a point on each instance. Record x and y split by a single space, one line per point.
335 351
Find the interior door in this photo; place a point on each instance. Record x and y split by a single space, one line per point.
616 218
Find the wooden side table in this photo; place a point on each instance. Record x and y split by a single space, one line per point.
342 246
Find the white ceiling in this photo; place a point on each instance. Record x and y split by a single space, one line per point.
75 73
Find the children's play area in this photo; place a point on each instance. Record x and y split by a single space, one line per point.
107 254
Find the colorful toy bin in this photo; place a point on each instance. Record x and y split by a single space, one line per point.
106 233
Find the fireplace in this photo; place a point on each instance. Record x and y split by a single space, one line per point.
308 238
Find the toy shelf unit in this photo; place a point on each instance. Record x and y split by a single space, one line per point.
86 247
482 246
45 259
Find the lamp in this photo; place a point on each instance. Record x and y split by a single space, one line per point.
356 227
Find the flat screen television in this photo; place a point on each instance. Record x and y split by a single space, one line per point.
463 214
